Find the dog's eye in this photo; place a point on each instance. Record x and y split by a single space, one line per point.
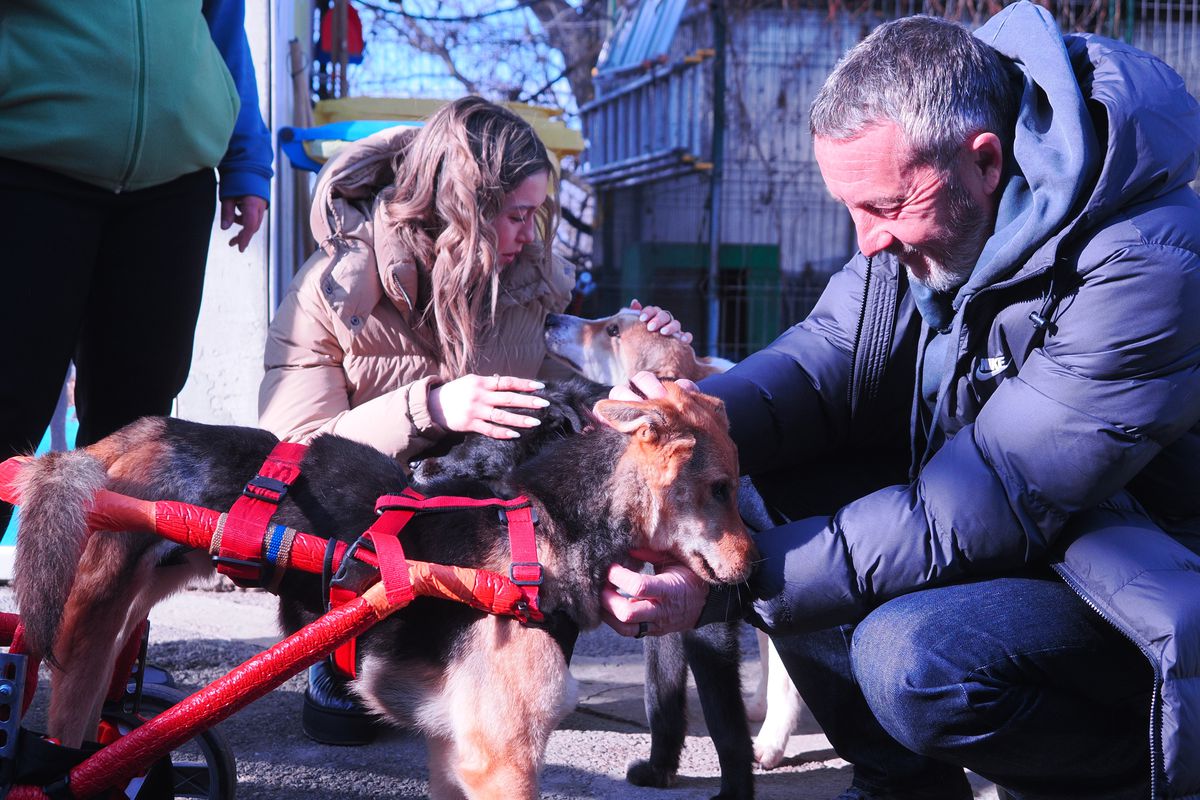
613 330
720 491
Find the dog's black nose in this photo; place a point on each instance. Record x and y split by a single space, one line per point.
552 320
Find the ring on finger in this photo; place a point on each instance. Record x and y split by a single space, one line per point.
643 629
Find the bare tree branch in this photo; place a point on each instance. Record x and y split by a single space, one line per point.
579 43
575 222
426 42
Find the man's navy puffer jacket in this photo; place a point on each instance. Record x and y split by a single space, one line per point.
1075 442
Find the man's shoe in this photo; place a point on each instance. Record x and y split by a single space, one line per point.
856 793
332 715
157 675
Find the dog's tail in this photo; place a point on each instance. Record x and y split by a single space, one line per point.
56 494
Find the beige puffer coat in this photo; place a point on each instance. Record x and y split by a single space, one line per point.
341 356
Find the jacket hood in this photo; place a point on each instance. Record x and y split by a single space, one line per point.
353 178
1102 126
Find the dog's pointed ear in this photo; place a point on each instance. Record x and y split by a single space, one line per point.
646 420
716 405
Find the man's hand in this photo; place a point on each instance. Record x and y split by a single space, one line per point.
246 211
637 604
646 386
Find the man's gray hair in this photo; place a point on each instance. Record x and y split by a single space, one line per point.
928 75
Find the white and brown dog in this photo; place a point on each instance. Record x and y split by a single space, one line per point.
610 350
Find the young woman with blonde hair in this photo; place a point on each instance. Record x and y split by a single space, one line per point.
423 311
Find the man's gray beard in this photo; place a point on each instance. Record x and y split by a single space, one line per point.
941 279
950 265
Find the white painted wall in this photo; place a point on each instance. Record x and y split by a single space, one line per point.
222 387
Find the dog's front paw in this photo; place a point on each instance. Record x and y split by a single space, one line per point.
768 751
644 773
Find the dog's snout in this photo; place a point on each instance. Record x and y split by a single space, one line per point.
553 321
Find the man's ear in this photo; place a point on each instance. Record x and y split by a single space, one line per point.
984 155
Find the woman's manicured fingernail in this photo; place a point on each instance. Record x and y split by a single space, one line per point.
541 402
538 385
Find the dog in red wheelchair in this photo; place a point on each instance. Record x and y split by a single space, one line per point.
485 691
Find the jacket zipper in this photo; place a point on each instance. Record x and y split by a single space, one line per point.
139 99
1155 708
862 318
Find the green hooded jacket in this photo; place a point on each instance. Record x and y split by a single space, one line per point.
123 94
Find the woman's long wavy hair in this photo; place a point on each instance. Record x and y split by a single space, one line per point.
450 184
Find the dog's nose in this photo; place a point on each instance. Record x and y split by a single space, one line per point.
552 320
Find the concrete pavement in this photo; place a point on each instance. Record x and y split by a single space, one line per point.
199 634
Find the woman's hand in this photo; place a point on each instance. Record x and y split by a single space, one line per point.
477 403
669 601
659 319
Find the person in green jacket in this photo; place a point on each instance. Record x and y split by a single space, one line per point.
111 124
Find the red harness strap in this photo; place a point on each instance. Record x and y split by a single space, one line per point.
245 546
384 535
395 511
526 570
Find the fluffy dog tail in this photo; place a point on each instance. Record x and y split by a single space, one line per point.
56 495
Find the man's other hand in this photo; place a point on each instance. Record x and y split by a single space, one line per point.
637 604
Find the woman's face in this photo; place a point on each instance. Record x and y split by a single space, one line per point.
515 225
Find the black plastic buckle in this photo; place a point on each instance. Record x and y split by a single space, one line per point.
512 573
260 487
502 512
12 693
60 789
354 574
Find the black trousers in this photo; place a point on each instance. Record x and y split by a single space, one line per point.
111 281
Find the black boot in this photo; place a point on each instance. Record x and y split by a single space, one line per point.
332 715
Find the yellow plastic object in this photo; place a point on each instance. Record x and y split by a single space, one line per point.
559 139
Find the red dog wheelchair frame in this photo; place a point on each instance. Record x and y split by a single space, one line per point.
134 753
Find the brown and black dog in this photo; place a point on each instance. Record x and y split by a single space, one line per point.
485 691
611 350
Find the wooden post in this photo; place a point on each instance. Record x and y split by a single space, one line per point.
302 117
341 46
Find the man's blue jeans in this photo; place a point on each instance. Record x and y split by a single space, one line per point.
1014 678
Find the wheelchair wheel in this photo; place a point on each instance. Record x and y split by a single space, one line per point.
202 767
